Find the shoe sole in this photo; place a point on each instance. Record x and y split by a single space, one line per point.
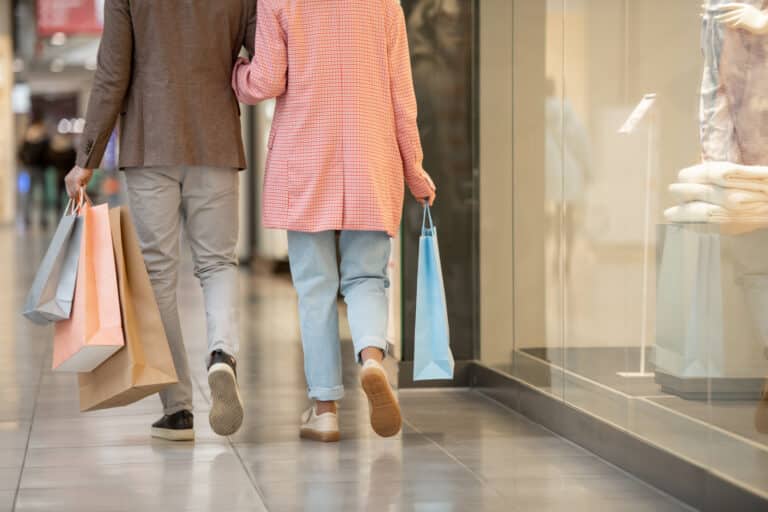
226 414
317 435
385 411
173 435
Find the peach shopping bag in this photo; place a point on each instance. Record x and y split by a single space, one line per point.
145 365
94 331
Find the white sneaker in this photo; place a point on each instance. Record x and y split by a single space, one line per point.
382 402
323 427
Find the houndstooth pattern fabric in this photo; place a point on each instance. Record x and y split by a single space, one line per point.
344 137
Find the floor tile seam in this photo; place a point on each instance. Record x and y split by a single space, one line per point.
531 422
116 444
451 456
110 464
435 391
573 444
248 473
43 361
164 487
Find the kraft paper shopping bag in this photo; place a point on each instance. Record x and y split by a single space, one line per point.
145 365
94 331
433 359
50 297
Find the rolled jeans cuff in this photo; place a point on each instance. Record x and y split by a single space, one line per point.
327 394
370 342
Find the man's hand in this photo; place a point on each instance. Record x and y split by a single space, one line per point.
76 179
739 15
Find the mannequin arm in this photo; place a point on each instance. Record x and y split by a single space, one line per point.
739 15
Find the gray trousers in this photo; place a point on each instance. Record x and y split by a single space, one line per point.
205 202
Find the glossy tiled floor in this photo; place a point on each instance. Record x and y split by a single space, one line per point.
457 452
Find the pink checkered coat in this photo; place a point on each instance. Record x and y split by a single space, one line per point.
344 136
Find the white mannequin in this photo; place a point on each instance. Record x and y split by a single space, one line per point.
751 19
719 144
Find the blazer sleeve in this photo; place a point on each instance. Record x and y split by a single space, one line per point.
404 103
250 30
267 74
111 81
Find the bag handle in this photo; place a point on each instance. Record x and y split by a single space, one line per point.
73 207
427 217
69 210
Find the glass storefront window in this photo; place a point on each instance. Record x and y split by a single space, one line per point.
628 275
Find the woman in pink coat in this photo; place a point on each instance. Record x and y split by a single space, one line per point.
344 140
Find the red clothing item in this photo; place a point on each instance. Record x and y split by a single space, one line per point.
344 136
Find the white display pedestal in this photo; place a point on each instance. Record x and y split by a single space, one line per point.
711 311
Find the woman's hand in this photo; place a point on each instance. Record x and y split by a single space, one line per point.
421 186
739 15
430 199
76 180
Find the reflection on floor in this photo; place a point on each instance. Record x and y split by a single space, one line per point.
603 365
457 451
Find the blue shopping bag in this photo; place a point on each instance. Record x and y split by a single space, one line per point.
432 359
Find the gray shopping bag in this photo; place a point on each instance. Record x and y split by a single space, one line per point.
50 298
690 331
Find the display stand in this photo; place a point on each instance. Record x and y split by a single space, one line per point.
645 109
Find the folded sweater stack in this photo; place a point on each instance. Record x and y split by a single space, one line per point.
721 192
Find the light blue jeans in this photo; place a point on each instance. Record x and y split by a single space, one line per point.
317 273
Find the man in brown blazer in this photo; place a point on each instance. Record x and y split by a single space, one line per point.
164 69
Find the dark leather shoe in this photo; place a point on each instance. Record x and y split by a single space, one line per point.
179 426
219 356
226 414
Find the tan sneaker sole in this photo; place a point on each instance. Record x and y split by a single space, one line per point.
385 411
317 435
